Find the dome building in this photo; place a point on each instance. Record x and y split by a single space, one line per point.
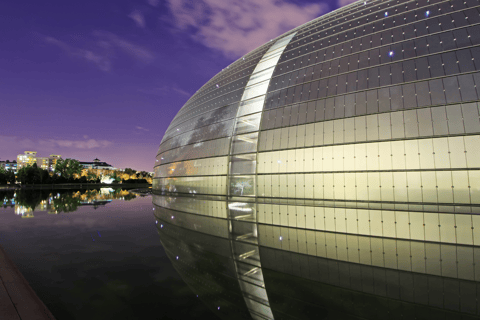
334 171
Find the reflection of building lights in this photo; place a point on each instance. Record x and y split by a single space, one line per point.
177 257
386 14
161 226
390 53
427 13
281 238
172 217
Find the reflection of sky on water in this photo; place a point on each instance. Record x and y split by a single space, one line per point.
123 274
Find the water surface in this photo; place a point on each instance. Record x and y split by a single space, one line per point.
94 255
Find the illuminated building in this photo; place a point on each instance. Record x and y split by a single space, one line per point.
7 165
96 164
53 159
26 159
30 157
345 154
43 162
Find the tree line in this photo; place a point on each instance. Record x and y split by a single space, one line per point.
67 171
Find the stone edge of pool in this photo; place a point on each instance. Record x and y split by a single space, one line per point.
17 298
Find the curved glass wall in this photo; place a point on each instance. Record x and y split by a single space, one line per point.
344 153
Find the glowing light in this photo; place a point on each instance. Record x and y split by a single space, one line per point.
218 86
365 2
386 13
427 13
279 161
390 53
219 307
237 206
281 238
177 257
161 226
172 217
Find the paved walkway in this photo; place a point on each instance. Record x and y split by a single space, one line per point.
18 301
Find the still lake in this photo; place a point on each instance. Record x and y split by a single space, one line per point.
94 254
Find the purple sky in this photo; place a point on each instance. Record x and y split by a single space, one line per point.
88 79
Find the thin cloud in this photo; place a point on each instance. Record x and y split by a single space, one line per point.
138 18
12 142
165 90
105 44
238 26
141 128
101 61
77 144
183 92
135 51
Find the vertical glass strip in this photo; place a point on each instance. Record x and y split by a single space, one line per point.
242 191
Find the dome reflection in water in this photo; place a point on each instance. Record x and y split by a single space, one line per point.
300 273
333 172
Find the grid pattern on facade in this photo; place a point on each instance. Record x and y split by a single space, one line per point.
356 152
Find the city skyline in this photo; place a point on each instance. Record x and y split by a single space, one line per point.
105 80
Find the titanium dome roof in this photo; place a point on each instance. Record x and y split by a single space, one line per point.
362 124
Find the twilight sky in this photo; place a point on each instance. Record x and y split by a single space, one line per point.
88 79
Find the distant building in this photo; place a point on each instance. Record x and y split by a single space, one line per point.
43 162
26 159
97 164
30 157
53 161
7 165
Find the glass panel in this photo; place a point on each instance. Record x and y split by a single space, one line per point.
242 211
248 123
243 164
246 253
255 90
251 106
250 273
260 76
245 143
244 231
242 186
270 62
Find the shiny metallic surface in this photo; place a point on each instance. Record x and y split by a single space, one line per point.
337 169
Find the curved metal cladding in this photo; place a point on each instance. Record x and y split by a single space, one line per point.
344 180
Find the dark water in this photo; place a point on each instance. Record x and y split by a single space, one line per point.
94 255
